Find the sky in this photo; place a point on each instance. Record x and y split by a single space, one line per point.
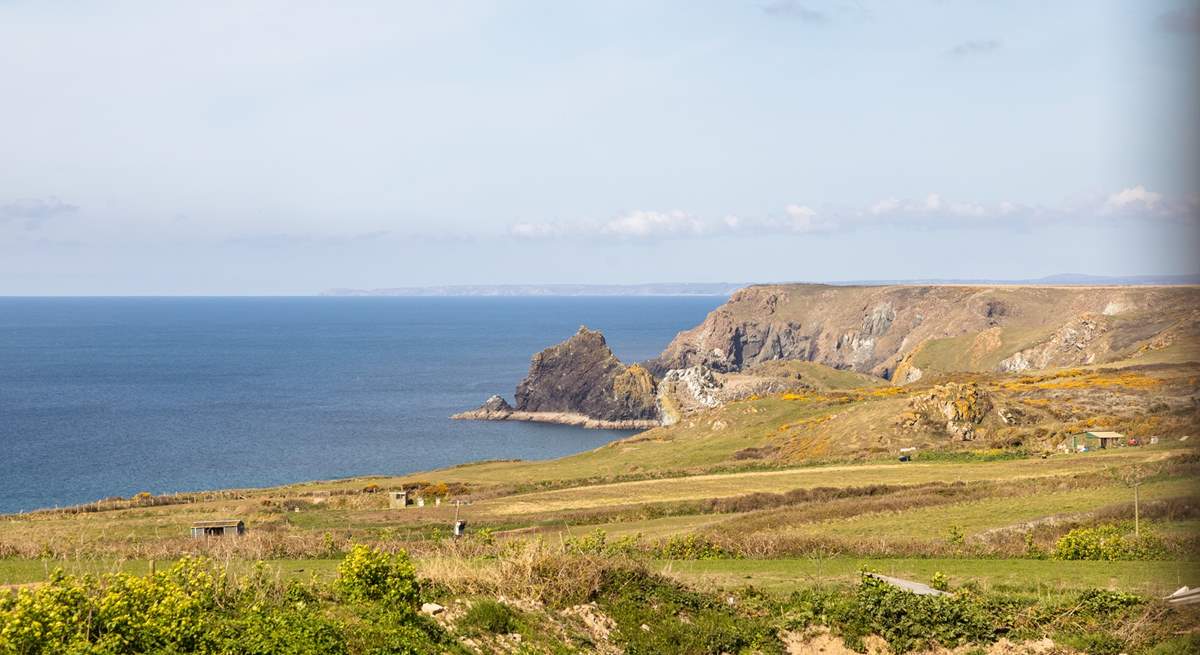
268 147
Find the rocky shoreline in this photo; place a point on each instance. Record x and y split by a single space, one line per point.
498 409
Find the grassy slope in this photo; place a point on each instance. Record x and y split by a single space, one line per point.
816 375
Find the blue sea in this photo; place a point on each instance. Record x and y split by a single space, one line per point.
112 396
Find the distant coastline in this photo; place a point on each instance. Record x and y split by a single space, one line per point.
726 289
720 289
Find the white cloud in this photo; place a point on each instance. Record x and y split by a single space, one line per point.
536 230
802 218
884 206
1134 197
934 211
656 224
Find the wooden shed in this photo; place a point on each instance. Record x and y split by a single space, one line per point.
1092 440
218 528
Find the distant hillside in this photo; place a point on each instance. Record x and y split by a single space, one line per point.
1060 279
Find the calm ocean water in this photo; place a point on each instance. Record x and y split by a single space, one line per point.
112 396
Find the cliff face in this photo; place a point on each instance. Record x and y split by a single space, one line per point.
877 329
582 376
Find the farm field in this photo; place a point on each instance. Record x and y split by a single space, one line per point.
1002 526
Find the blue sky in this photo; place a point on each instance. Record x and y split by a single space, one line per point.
285 147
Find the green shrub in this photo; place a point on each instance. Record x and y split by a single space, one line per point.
690 546
677 619
1179 645
1092 643
596 543
369 574
592 543
383 631
280 631
190 609
489 616
1108 542
908 621
1102 602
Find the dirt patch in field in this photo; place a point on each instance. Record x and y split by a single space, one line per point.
821 642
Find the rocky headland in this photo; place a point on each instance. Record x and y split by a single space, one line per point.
579 382
761 340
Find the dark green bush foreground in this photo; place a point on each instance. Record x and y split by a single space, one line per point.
371 608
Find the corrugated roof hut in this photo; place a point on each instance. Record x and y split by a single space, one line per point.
218 528
1096 439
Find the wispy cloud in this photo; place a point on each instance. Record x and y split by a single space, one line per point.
797 10
1180 21
35 211
973 48
933 211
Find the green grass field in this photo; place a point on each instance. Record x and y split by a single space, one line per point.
1045 576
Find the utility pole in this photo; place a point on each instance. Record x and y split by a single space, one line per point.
1137 533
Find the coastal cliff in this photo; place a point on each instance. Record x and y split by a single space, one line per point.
777 338
900 332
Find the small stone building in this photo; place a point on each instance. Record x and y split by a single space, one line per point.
397 499
218 528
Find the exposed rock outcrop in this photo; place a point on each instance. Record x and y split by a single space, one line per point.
687 390
697 384
1071 345
493 409
873 329
581 375
956 409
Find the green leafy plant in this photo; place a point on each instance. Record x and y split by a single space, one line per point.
1108 542
489 616
369 574
690 546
